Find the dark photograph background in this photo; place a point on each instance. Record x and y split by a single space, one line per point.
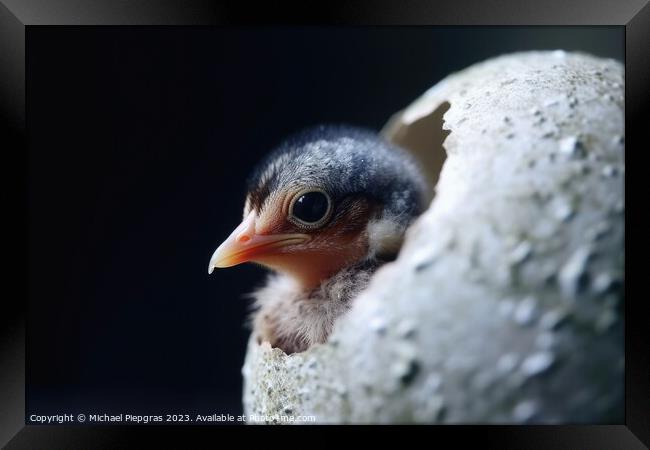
140 140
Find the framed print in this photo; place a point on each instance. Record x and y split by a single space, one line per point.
355 214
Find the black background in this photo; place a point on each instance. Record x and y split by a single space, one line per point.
139 143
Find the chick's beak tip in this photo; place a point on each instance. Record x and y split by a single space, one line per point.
225 251
244 245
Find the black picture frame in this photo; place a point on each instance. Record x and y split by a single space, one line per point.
17 16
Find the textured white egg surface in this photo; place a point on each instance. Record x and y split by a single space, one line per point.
506 302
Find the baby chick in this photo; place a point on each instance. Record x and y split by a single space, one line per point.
323 211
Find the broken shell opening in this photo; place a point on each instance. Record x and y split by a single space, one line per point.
423 136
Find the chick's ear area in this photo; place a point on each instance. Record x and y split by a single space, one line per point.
352 214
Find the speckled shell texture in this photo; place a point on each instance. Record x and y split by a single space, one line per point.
506 302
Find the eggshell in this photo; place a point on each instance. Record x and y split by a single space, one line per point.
506 302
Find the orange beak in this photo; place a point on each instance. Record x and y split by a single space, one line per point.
245 244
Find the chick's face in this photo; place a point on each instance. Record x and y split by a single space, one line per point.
325 199
300 229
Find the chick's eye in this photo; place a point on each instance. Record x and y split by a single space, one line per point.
311 207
